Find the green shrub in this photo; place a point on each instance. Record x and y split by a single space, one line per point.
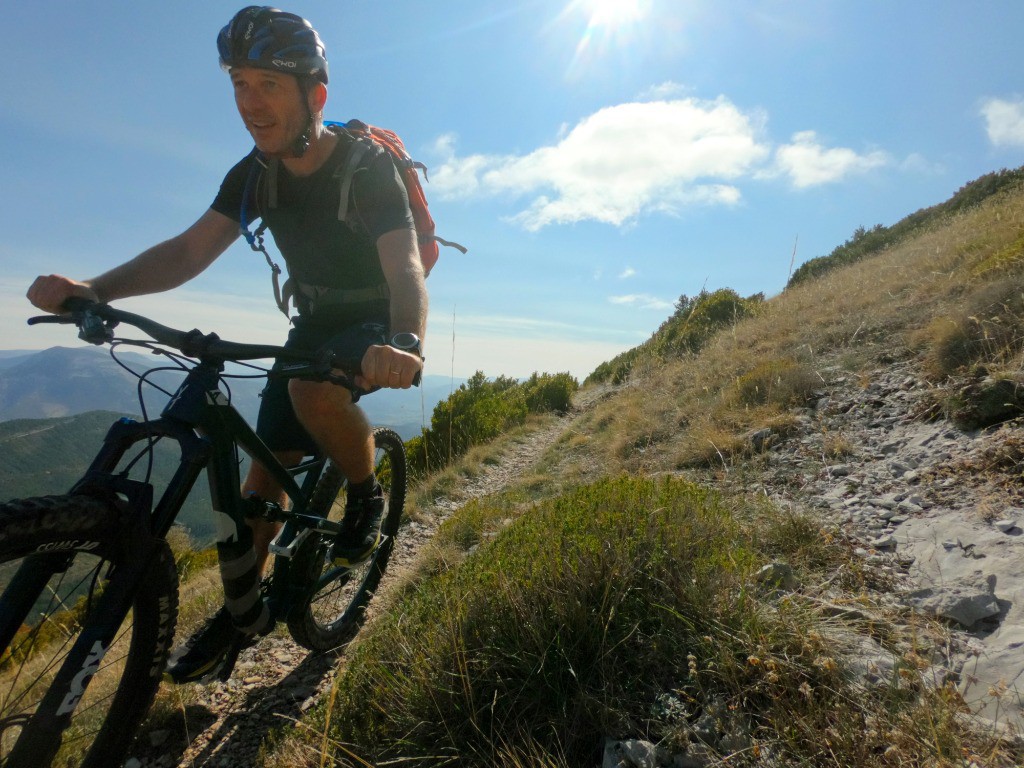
693 323
990 331
481 410
549 392
574 620
616 370
696 320
783 383
985 403
867 242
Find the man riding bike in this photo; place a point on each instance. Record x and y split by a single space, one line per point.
359 289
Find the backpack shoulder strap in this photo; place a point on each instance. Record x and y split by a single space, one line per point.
346 173
365 139
273 165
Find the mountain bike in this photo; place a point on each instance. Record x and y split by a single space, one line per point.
90 599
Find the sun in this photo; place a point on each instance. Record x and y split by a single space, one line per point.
607 29
613 14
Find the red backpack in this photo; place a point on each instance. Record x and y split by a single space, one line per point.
368 135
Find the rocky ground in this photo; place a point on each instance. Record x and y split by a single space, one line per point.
936 514
938 510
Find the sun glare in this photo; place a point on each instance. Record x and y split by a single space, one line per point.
612 14
606 28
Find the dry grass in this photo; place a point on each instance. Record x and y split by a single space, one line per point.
901 303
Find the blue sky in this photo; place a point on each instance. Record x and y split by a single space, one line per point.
598 158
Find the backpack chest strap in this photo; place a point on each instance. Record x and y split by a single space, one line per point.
317 297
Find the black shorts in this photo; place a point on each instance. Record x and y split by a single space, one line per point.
277 425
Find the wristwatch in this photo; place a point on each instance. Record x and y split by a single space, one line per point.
407 342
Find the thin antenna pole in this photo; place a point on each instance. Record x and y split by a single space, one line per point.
451 391
792 259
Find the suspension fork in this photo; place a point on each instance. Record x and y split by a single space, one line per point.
125 433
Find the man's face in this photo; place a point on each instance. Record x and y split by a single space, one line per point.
272 107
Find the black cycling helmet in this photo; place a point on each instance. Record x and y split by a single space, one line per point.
265 37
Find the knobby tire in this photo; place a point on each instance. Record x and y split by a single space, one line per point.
335 599
56 555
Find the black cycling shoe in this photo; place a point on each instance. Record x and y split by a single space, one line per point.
360 529
206 654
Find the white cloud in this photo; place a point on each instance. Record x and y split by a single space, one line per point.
1004 122
627 273
660 155
918 163
619 163
807 163
666 90
641 301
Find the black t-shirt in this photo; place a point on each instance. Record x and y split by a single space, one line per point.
317 247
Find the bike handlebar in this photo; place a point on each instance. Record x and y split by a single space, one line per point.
96 322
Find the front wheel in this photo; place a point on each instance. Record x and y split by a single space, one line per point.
335 598
57 555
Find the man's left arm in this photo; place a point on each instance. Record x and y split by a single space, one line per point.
385 366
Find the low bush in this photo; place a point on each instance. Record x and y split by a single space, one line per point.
783 383
481 410
869 242
694 322
990 330
549 392
624 608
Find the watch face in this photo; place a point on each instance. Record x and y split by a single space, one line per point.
405 341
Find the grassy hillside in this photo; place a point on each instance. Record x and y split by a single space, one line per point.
866 242
617 590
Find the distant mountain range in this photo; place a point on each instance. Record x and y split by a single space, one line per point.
62 381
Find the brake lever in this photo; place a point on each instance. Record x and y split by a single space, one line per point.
40 319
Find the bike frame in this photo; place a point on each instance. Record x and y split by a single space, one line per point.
208 429
209 432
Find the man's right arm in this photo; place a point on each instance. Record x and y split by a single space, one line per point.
160 268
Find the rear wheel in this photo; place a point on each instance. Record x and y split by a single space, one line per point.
335 600
57 555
